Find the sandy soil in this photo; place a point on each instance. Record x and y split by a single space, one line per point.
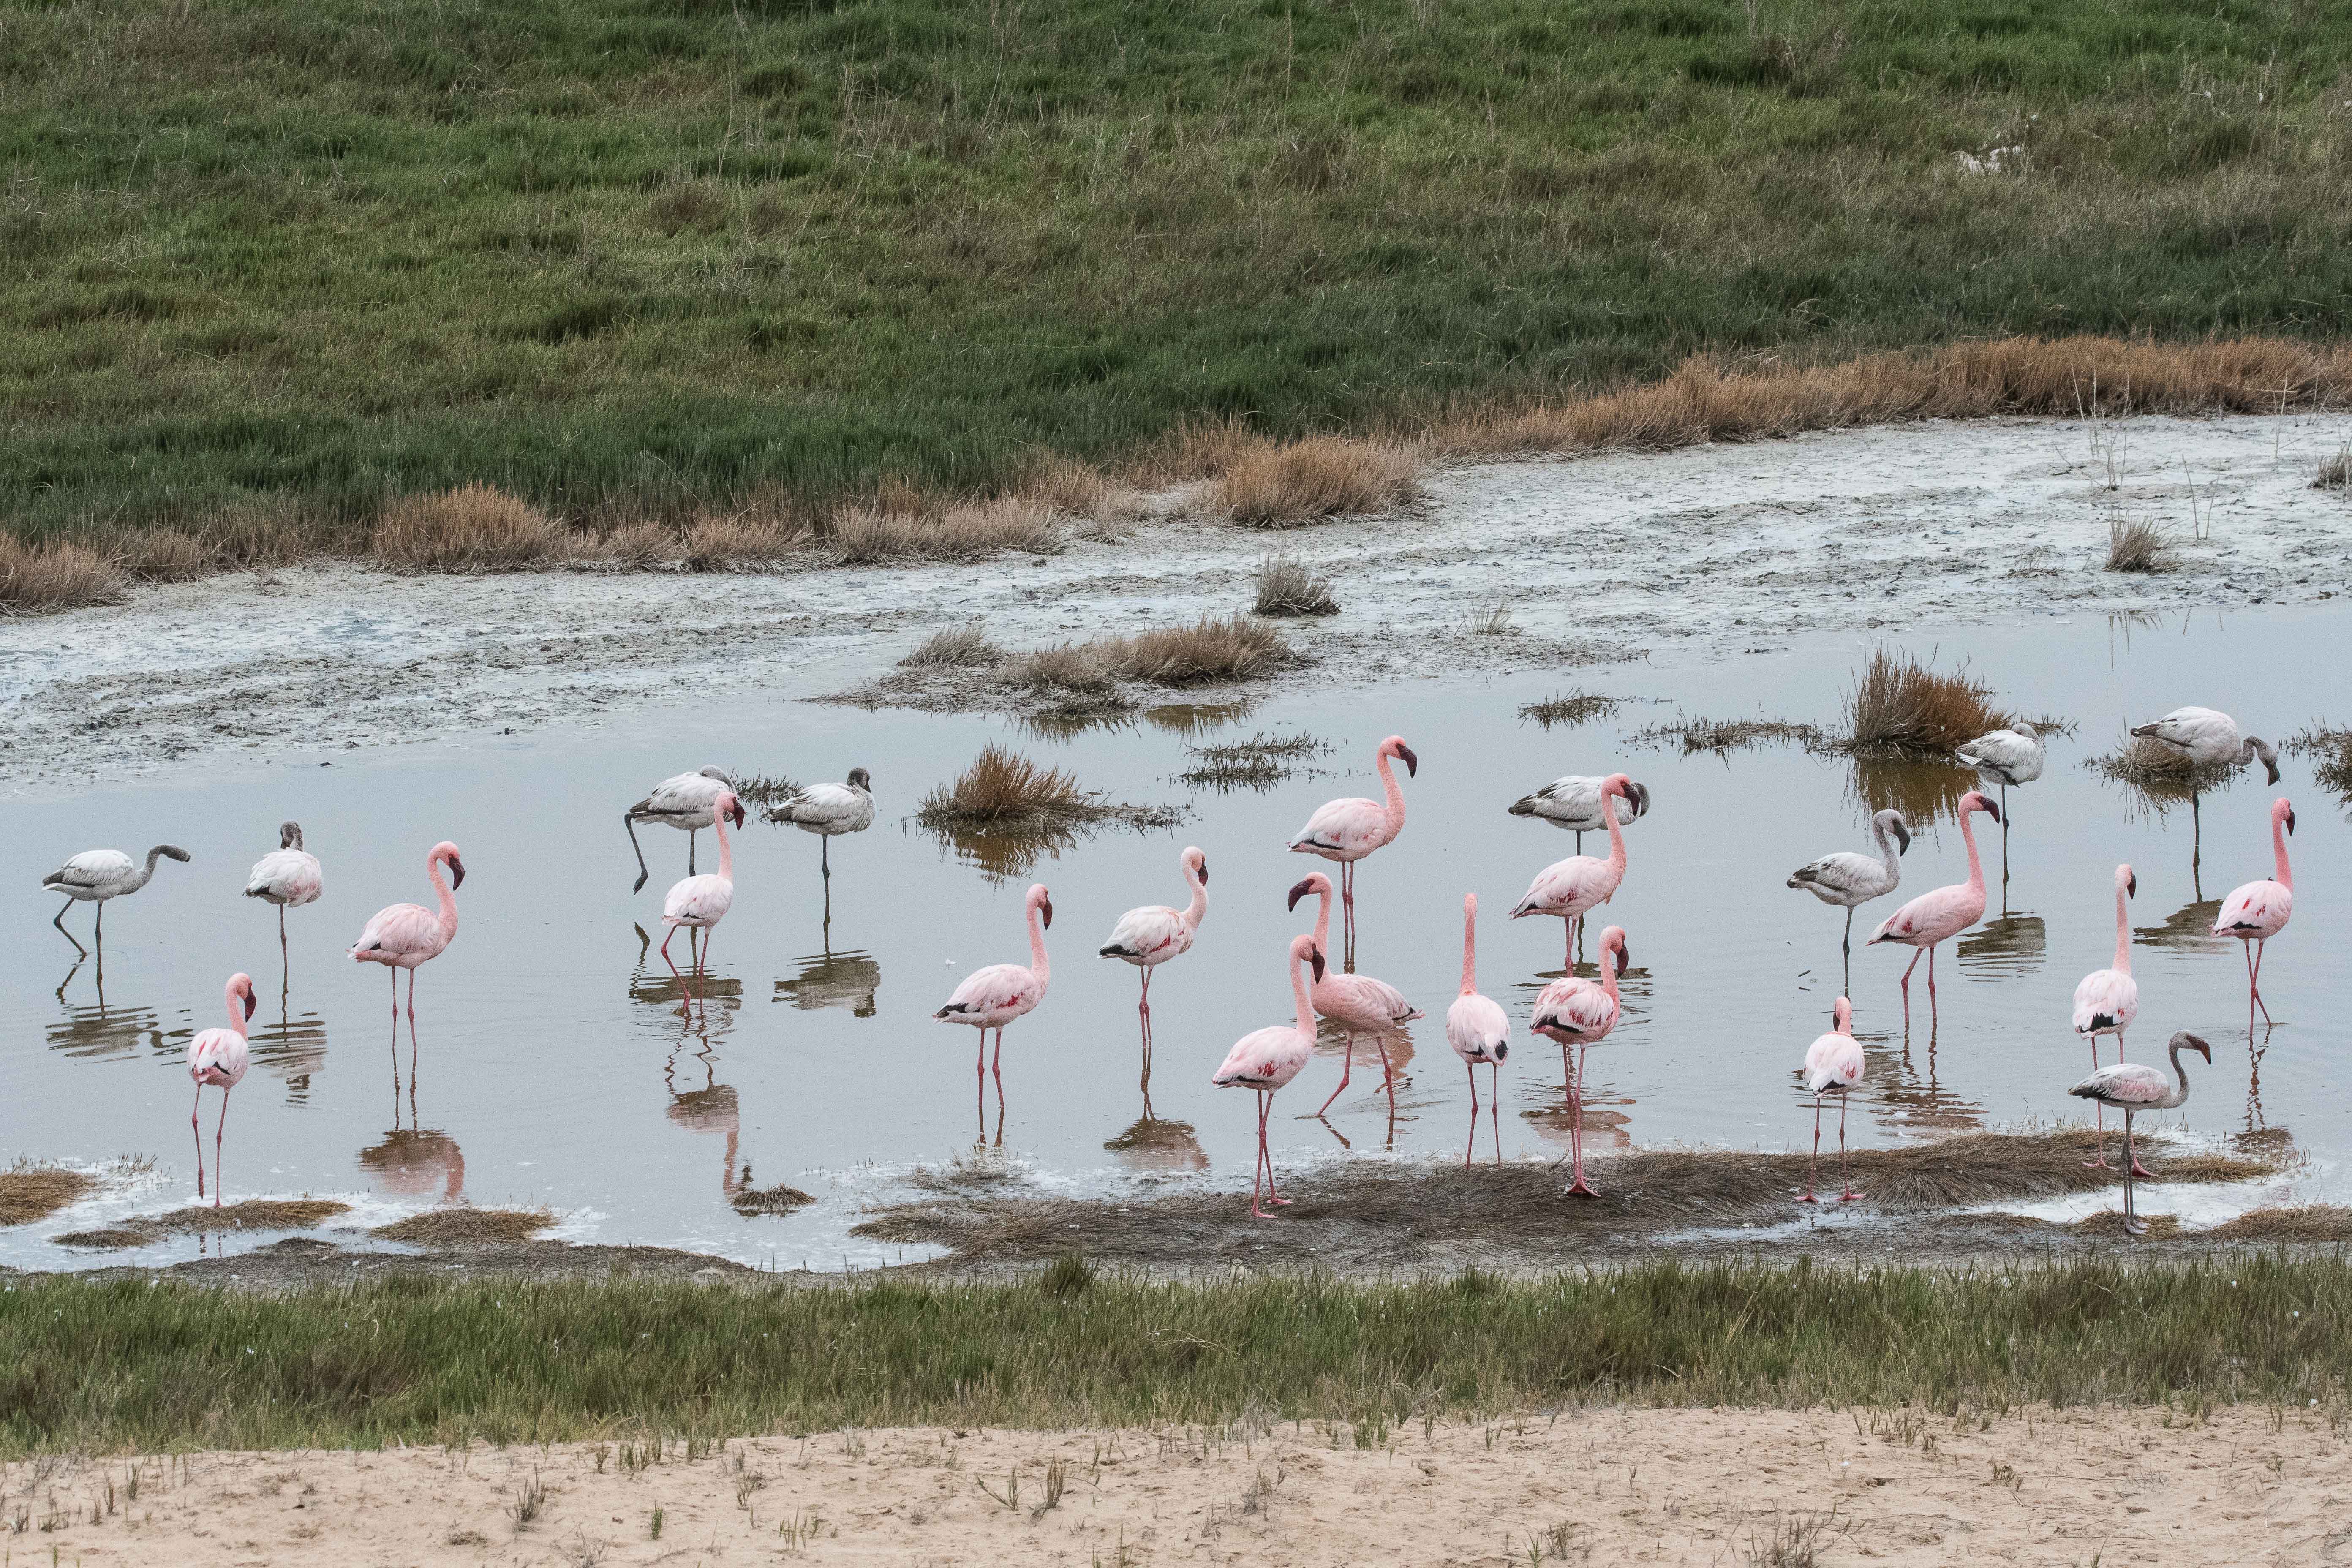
1941 523
1601 1486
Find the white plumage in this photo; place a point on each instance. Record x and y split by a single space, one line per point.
1573 804
2010 756
2207 738
289 875
831 810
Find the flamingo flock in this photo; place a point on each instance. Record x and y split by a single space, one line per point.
1576 1012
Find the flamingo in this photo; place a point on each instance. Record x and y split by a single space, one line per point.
1150 936
402 936
2258 911
1357 1003
700 902
2132 1088
1940 912
682 800
1265 1059
993 997
829 810
289 875
1849 879
218 1057
1348 830
1571 887
1576 1012
2210 742
1573 804
1833 1061
1479 1032
2108 1000
2006 757
95 876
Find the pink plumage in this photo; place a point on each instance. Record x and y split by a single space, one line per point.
1579 1013
1833 1064
219 1056
1348 830
1267 1060
1573 887
699 902
2258 911
993 997
1479 1031
1941 913
1149 936
402 936
1358 1004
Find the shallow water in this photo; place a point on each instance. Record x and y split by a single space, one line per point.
554 1066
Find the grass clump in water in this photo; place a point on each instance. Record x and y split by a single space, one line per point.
2160 775
1570 709
769 1200
956 647
2330 747
29 1191
1285 587
1003 789
2137 544
1901 703
253 1213
1310 481
1212 649
1723 736
465 1227
2308 1223
1262 761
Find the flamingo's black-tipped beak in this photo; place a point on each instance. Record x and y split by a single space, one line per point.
1300 892
2290 820
2131 886
1991 807
1902 838
1411 762
1624 957
456 873
1204 871
737 814
1315 957
2202 1048
249 1002
1045 909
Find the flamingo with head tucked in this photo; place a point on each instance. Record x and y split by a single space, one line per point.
218 1057
1941 913
288 877
1348 830
1577 1012
1358 1004
1479 1032
1832 1062
682 800
993 997
1572 887
700 902
2132 1088
2108 1000
2258 911
1265 1059
1149 936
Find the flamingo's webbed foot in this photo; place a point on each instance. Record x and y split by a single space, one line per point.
2142 1172
2098 1164
2135 1227
1806 1198
1850 1195
1580 1188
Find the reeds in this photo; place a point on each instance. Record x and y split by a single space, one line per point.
1293 483
956 647
769 1200
1067 667
466 1227
2335 472
1287 587
1258 762
1570 709
2160 775
1001 788
29 1192
900 526
2311 1223
2330 749
1723 736
2137 544
474 527
1902 704
54 574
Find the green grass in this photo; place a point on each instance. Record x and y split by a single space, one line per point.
127 1365
274 261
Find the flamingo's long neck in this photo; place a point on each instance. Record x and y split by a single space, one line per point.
2278 849
1976 869
448 900
1395 796
145 871
1469 946
1616 834
1323 921
1199 906
1038 964
1306 1023
1885 833
236 1013
2123 935
2182 1093
1611 962
726 848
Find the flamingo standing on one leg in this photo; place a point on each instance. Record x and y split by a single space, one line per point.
1348 830
2132 1088
1573 805
95 876
1479 1032
1150 936
2210 742
2108 1000
1358 1004
2258 911
1267 1060
1849 881
1575 1011
218 1057
1941 913
682 800
288 877
402 936
1570 887
700 903
1833 1061
830 810
993 997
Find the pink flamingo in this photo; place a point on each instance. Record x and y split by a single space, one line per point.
1479 1032
1941 913
1575 1011
993 997
1833 1061
1571 887
288 877
700 903
2108 1000
218 1057
1348 830
1357 1003
1265 1059
1150 936
402 936
2258 911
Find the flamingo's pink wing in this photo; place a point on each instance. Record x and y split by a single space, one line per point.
704 898
400 929
992 990
1153 932
2106 999
2258 909
1474 1026
1344 827
1264 1058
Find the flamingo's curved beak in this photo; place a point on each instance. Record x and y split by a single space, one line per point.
1204 870
456 873
1411 762
1902 836
737 814
2202 1048
1315 956
1305 886
1045 909
2131 886
249 1002
1625 956
1991 806
2290 820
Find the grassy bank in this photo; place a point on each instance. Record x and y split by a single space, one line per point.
130 1366
268 267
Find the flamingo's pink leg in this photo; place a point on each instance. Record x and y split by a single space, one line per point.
1272 1196
1470 1148
1579 1187
1348 910
198 1132
2254 978
1807 1196
1388 1074
1494 1106
1906 986
2133 1225
217 1130
1143 1010
1347 1066
682 990
1265 1161
1845 1182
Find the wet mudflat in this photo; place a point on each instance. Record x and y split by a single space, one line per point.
560 1065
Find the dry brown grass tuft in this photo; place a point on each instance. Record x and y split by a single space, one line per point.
114 1239
770 1200
2160 775
638 546
958 647
1258 762
254 1214
902 526
54 575
476 527
1287 587
1320 476
1214 648
1900 703
2336 473
1004 787
1570 709
2137 544
30 1192
165 555
464 1226
722 543
2310 1223
1068 667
